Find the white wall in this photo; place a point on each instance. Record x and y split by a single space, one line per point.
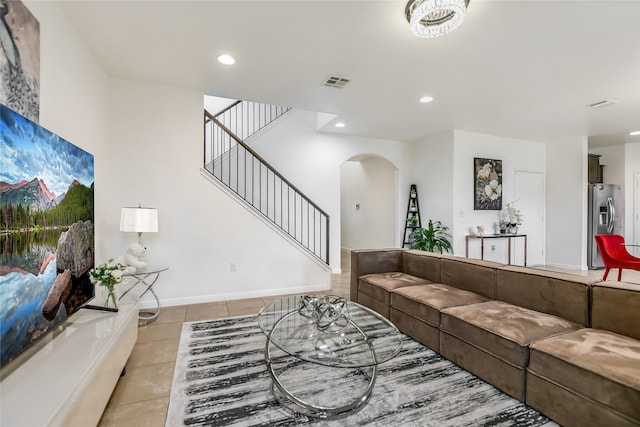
73 99
147 140
215 104
566 227
314 159
442 168
432 172
157 132
369 183
516 155
632 195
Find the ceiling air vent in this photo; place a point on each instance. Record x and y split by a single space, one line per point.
601 104
336 82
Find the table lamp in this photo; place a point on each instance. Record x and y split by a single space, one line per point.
139 220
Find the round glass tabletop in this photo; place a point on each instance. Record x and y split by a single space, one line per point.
150 269
329 331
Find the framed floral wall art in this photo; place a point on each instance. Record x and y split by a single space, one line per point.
487 183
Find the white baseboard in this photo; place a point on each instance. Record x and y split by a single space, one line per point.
567 266
169 302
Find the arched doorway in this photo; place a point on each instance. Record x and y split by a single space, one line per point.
368 186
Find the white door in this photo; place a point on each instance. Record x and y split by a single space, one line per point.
529 193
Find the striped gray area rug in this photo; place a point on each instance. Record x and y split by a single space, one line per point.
221 379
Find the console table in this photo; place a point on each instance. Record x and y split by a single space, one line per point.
147 277
496 236
67 378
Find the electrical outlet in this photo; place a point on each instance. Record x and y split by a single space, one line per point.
232 266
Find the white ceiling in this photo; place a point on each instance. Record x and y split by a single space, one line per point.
515 68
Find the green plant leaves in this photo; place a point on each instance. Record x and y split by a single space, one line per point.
434 238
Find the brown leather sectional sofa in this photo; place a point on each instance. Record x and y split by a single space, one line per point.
566 345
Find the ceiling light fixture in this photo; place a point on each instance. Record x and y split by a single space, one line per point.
603 103
340 125
226 59
435 18
634 133
426 99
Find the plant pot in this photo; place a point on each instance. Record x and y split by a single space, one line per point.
513 230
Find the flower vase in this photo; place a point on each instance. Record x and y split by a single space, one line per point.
111 300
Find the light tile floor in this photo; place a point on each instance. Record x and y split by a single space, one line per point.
141 397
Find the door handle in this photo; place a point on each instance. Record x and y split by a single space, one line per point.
611 214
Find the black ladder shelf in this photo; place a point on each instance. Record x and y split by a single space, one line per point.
413 216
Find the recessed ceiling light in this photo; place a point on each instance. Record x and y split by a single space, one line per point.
426 99
226 59
634 133
340 125
603 103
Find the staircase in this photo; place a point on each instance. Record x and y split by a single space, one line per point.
253 180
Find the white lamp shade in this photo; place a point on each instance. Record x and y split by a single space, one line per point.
139 220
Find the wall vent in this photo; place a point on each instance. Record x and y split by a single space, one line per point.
601 104
336 82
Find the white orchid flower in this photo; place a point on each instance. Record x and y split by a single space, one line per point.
493 190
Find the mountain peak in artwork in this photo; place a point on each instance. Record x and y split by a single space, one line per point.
48 194
4 186
33 194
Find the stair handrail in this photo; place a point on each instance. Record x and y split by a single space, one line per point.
221 112
267 164
247 118
313 229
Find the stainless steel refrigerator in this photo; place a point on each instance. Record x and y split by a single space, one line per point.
603 217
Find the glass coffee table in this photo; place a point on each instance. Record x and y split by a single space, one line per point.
322 352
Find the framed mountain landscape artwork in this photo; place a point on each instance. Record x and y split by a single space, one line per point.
46 231
487 184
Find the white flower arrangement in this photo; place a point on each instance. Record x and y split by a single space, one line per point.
512 216
107 275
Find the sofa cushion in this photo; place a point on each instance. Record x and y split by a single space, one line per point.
422 264
375 305
426 301
378 285
502 329
570 409
598 364
559 294
494 370
367 261
471 275
616 308
416 328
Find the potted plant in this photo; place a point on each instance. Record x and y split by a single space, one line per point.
434 238
413 220
512 218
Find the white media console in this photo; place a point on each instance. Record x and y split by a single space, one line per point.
68 377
